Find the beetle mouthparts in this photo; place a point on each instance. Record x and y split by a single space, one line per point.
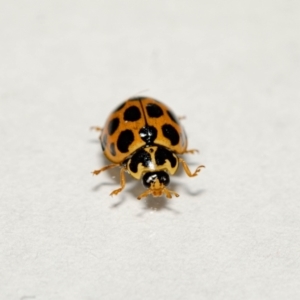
158 192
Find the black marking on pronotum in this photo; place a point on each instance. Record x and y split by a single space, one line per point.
140 156
171 134
162 154
113 126
154 111
132 114
148 134
112 149
172 117
125 139
104 141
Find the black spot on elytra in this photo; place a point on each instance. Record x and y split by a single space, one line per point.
112 149
104 141
140 156
132 114
172 117
163 154
154 111
171 134
113 126
125 139
120 107
148 134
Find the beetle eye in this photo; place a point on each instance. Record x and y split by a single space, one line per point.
163 178
151 177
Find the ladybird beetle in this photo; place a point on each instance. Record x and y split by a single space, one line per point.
143 137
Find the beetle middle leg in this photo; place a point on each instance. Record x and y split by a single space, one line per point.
96 172
191 151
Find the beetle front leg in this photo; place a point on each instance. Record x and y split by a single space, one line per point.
122 182
188 171
122 176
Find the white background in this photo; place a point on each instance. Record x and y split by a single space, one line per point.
232 67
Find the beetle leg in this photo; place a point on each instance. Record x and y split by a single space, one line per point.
191 151
96 172
122 182
122 176
187 170
96 128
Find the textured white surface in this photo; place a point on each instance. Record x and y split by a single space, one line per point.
232 67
